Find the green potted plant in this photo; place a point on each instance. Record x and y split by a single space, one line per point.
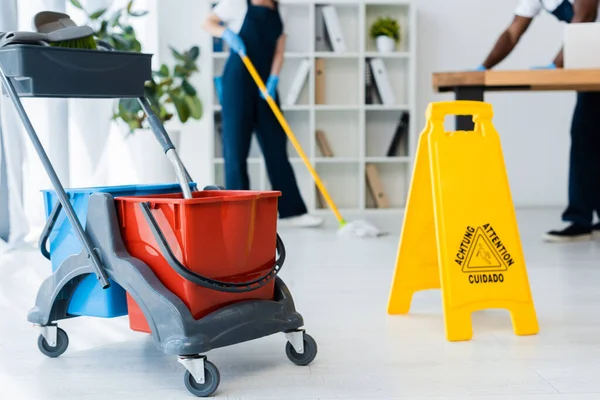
386 33
170 95
169 92
113 27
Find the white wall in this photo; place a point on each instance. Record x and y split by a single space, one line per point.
179 26
452 35
534 127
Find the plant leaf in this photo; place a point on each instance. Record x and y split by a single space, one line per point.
77 4
195 106
121 40
188 88
194 53
181 106
103 27
129 5
177 54
138 13
179 71
130 105
97 14
163 71
136 46
115 19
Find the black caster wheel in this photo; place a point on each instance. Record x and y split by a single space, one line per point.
310 351
214 187
62 342
212 378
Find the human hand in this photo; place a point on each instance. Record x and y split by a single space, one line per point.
235 42
549 66
271 86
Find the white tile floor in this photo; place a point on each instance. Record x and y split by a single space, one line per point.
341 287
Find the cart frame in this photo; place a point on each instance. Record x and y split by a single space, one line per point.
173 328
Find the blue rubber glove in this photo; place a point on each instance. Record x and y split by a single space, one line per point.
549 66
235 42
480 68
271 86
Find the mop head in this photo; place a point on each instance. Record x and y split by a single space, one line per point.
361 229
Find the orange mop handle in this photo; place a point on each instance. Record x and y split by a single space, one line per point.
291 136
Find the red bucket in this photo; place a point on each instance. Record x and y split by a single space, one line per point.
227 236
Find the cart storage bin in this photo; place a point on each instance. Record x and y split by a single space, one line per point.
44 71
90 299
223 235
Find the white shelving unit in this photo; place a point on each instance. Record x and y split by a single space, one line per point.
359 134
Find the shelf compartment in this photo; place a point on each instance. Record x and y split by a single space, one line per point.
296 18
397 71
400 12
338 79
389 179
348 15
380 128
299 122
342 182
288 75
341 130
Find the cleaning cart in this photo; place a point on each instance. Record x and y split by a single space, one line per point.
197 268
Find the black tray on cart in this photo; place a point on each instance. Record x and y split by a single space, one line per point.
45 71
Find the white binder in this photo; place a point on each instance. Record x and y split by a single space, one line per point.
298 82
384 86
334 29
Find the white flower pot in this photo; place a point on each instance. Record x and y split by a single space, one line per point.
148 159
385 44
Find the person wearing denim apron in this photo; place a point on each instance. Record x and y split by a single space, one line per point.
584 164
254 28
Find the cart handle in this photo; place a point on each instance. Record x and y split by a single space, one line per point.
43 242
184 272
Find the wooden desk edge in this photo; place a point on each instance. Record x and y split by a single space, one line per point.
559 79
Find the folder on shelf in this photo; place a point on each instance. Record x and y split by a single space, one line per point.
217 44
323 144
384 86
298 82
218 135
400 133
334 29
320 87
321 39
376 187
371 94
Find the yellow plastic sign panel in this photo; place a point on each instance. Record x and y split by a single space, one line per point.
460 231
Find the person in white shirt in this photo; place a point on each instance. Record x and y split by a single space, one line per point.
254 28
584 173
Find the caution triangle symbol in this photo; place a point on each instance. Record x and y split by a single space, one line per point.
482 256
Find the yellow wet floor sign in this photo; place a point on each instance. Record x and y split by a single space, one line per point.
460 232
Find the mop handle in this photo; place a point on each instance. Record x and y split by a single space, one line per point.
169 148
291 137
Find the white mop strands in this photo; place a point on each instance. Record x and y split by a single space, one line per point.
360 228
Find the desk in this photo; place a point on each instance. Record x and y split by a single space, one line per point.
473 85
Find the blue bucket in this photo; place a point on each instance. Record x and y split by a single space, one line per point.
89 299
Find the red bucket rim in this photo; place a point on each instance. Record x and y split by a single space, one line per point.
231 196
